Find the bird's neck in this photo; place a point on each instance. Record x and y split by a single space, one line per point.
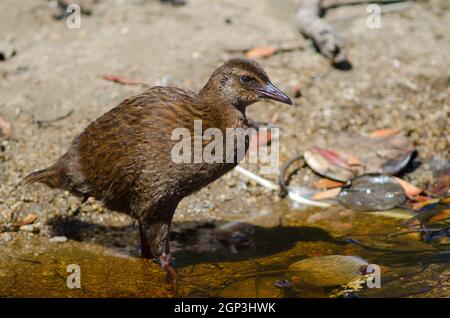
230 113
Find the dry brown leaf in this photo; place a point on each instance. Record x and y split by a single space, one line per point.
29 219
261 52
383 133
326 183
327 194
410 190
421 198
333 157
6 127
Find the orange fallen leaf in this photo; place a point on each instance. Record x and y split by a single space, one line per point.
5 126
421 198
327 194
29 219
122 80
326 183
333 157
383 133
261 52
410 190
441 216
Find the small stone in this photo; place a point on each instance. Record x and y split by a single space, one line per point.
29 228
6 51
325 271
58 239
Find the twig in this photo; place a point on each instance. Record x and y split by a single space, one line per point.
325 38
43 122
331 4
269 185
412 231
281 178
261 181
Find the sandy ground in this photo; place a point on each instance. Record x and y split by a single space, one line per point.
400 78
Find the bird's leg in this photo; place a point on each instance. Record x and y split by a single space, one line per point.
155 245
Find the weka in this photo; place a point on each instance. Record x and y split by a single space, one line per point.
124 157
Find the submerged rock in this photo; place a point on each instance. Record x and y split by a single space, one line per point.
327 271
372 193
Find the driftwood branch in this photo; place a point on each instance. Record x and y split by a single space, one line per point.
327 41
325 38
331 4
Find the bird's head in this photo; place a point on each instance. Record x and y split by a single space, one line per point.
242 82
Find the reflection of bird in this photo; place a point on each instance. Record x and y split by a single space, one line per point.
124 157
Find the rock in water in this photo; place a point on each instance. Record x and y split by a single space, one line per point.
372 193
327 271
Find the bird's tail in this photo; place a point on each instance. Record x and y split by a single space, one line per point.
49 176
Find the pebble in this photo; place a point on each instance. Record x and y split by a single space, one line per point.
58 239
29 228
6 51
326 271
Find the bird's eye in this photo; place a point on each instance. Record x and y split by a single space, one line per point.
246 79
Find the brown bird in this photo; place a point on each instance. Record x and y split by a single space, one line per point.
124 157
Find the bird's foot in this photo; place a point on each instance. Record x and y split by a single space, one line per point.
166 262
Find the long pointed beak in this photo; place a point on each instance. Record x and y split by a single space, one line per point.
272 92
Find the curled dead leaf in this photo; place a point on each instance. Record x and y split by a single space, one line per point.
29 219
384 133
261 52
395 165
322 166
410 190
333 157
